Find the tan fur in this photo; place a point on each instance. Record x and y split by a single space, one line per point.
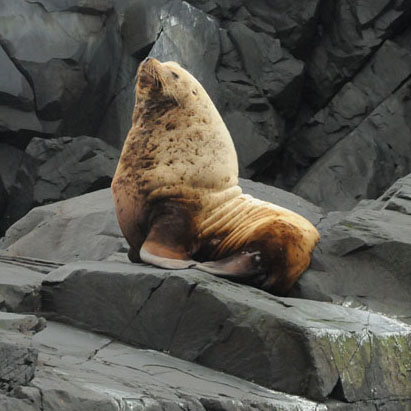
179 149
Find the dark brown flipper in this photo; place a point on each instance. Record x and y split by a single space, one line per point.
170 236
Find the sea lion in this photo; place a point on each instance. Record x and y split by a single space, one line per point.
177 197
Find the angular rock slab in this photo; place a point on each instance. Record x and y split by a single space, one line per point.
82 371
301 347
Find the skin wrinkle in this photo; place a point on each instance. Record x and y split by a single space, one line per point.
177 195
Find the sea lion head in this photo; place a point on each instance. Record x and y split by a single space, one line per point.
158 82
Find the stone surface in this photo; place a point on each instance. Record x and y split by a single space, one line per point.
19 287
82 371
67 167
73 77
351 36
384 73
335 352
367 161
57 169
17 360
25 324
363 257
86 228
83 228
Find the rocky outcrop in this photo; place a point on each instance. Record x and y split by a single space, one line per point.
54 169
363 257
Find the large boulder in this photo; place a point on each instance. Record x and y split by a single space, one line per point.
302 347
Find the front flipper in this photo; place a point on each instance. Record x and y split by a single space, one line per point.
157 258
170 237
240 265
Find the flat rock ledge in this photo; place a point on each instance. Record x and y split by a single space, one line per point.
77 370
313 349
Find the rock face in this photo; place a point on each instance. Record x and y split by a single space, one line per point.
55 169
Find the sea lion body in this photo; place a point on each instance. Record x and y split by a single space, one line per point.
177 197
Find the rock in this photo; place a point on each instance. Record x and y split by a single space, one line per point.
57 169
84 6
20 179
370 249
350 37
191 38
25 324
86 371
14 404
74 76
19 287
336 352
389 67
14 88
68 167
86 228
17 360
367 161
272 69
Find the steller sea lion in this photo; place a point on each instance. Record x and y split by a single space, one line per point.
177 197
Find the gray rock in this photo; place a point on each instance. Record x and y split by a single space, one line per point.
17 360
191 38
14 404
25 324
84 6
377 80
68 167
348 39
57 169
272 69
19 287
90 372
74 76
370 249
14 88
365 162
335 351
83 228
86 228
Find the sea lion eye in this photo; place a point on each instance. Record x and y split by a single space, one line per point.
175 75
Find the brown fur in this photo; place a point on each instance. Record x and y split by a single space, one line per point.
176 186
